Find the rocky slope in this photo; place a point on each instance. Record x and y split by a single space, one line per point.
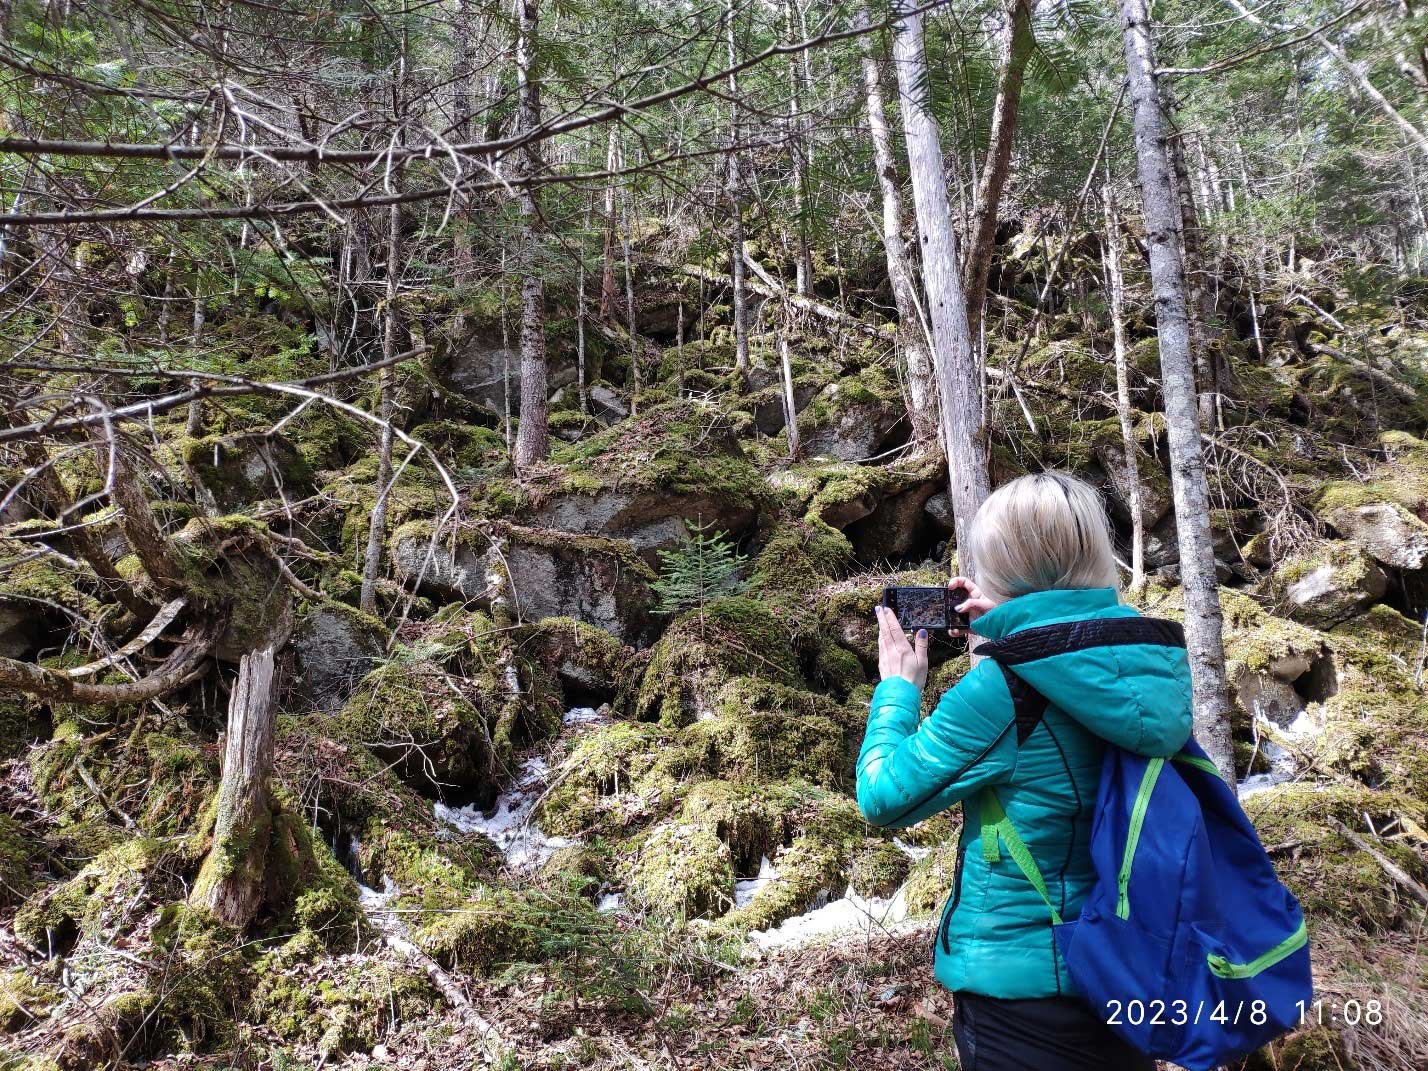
525 815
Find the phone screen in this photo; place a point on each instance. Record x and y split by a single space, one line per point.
919 607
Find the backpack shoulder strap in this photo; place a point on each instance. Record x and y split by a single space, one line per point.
997 826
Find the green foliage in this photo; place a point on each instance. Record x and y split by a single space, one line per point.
705 566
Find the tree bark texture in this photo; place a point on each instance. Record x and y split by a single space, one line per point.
533 437
992 183
1204 621
912 334
233 881
1115 279
954 358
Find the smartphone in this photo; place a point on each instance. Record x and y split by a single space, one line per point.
934 609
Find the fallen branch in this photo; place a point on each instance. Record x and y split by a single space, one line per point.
1392 869
182 664
166 614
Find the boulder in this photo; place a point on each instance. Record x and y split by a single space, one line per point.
335 646
1329 586
235 471
766 398
16 630
1156 500
1387 532
856 418
596 580
552 574
899 527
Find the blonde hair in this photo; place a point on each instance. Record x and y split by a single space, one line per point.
1042 532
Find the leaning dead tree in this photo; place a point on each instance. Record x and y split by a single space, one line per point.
234 880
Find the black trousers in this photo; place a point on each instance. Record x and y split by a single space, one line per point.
1050 1034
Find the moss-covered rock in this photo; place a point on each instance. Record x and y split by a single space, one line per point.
684 871
800 556
1330 585
490 929
238 470
703 648
590 662
855 418
879 868
606 785
25 999
335 646
412 716
930 879
1330 876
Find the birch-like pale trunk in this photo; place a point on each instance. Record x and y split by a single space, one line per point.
637 376
790 407
1200 299
386 390
1204 620
797 152
234 879
954 357
993 179
912 335
738 270
1115 279
533 436
607 263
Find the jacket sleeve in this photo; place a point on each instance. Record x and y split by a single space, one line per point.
908 772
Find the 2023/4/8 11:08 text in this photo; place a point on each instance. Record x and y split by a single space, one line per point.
1348 1012
1180 1012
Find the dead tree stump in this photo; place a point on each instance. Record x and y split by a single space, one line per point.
233 880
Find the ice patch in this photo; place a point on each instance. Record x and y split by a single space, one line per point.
746 890
610 901
850 914
509 823
1282 766
912 851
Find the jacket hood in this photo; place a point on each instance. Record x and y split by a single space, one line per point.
1125 677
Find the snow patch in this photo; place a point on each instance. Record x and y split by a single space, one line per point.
610 901
849 914
509 823
912 851
746 890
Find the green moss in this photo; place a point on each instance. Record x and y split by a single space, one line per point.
801 556
239 470
812 868
605 784
684 871
703 648
930 879
1332 878
348 1008
25 999
409 714
491 929
681 447
20 852
37 583
879 868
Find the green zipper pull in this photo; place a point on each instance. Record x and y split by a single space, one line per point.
1142 801
1223 968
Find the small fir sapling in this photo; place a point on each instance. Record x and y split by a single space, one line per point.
704 566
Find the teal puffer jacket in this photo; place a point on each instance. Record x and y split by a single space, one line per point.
995 935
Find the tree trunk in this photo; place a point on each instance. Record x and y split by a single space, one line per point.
1020 43
912 333
1200 300
737 268
533 437
1116 284
233 881
797 151
637 376
790 407
1204 622
386 389
582 378
954 358
607 264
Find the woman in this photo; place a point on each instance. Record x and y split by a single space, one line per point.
1024 733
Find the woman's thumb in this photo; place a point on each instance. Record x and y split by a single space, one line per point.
920 644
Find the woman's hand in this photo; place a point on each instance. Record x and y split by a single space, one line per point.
974 606
897 657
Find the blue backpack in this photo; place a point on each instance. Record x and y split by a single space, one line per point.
1188 945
